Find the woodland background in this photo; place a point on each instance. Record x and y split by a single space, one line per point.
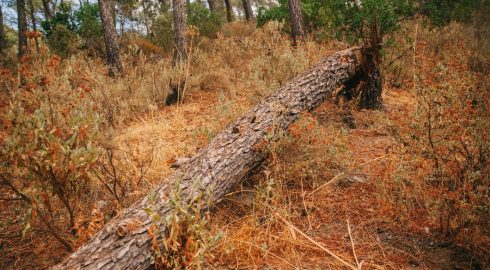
98 100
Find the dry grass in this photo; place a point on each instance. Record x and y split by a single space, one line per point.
273 220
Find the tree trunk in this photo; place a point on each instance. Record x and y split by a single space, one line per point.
112 47
22 27
229 11
33 21
297 25
212 5
370 96
247 7
231 157
3 40
180 51
47 10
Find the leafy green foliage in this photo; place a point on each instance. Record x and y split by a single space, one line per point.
68 27
163 32
441 12
64 16
278 13
344 17
353 20
62 40
207 22
89 26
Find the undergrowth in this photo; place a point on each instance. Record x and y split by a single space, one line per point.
68 163
186 240
77 146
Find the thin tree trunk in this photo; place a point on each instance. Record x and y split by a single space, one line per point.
112 47
123 23
47 10
370 96
22 27
229 11
3 40
34 27
212 5
297 25
231 157
180 25
180 50
247 7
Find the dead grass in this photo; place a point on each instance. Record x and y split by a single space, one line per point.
265 221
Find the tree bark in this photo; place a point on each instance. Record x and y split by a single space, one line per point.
229 11
231 157
22 27
3 40
112 47
297 25
180 25
33 21
247 7
47 10
180 51
212 5
370 96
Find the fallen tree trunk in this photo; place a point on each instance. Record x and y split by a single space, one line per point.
231 156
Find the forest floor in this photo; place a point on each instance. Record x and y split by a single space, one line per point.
362 148
327 177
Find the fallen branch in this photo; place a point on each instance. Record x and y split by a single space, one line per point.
230 158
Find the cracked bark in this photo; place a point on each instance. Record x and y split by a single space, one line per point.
22 27
180 51
229 11
247 7
3 40
297 24
229 158
106 8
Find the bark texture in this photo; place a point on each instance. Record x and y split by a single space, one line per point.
47 10
370 96
3 41
229 11
230 158
180 25
33 21
249 15
297 23
22 27
212 5
110 38
180 50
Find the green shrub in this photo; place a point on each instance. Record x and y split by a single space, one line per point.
89 27
163 32
63 41
441 12
208 23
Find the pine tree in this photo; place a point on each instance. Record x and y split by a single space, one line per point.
297 26
112 47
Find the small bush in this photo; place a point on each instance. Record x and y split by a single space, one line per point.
63 41
207 22
48 150
186 240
